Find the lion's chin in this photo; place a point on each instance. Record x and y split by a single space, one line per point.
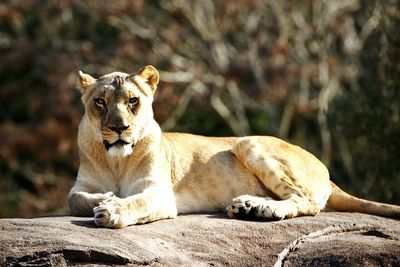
120 151
119 148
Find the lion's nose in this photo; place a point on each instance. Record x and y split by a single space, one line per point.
118 129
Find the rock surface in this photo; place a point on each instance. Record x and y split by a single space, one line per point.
329 239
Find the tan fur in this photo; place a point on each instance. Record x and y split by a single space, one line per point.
131 172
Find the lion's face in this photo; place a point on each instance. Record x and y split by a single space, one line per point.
119 107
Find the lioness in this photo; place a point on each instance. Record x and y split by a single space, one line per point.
131 172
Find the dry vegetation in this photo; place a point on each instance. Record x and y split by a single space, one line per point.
322 74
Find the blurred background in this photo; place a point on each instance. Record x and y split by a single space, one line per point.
323 74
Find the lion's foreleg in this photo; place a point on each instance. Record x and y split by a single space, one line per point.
82 203
152 204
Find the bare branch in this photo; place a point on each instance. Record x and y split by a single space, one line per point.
226 114
238 104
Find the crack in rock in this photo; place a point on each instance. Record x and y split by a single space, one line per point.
370 230
379 234
65 257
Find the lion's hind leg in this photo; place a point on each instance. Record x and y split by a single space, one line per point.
294 198
247 206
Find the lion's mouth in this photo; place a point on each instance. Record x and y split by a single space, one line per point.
118 143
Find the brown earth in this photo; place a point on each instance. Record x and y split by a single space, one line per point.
329 239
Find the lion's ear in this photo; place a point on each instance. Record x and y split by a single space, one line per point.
84 81
150 74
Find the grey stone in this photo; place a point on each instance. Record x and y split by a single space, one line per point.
328 239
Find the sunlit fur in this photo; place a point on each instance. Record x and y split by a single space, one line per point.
150 175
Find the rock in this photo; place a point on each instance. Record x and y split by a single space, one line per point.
327 239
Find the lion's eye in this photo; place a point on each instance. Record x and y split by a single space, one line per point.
100 102
133 101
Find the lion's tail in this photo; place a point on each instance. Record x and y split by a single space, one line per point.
341 201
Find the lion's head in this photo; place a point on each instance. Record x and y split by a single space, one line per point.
118 107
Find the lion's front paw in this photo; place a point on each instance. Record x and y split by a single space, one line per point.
108 195
249 207
113 213
100 197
